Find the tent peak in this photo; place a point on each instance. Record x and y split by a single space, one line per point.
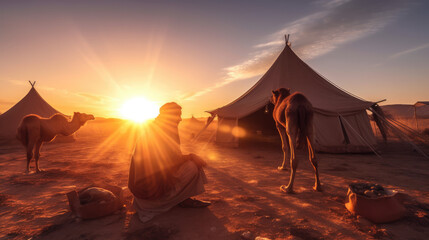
287 40
421 103
32 84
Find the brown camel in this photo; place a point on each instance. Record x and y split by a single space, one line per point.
34 130
293 115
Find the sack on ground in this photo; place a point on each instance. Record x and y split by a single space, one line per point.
95 202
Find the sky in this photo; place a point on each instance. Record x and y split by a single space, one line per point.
92 56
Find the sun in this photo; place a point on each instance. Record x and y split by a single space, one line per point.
139 109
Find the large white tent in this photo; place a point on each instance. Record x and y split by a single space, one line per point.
340 121
32 103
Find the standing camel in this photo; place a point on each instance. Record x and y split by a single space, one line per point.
34 130
293 115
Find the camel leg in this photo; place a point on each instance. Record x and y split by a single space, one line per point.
310 149
313 160
37 155
291 132
285 145
29 148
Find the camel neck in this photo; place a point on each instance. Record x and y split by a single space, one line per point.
72 126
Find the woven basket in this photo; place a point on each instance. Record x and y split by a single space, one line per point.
382 209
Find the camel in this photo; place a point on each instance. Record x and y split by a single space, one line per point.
293 115
34 130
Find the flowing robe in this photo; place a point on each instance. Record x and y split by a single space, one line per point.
160 175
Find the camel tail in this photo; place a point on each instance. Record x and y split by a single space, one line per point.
22 134
303 121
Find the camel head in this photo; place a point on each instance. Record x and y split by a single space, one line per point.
280 93
82 117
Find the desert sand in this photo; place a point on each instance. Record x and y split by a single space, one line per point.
243 188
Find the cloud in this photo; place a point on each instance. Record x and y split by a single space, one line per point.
193 95
95 98
415 49
18 82
337 23
340 22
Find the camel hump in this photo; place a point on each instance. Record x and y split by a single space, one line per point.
58 117
300 107
298 98
30 117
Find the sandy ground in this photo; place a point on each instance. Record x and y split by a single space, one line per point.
243 188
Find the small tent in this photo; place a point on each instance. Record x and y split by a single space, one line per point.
421 111
341 123
418 110
415 116
32 103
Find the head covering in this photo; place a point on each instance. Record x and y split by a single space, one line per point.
169 108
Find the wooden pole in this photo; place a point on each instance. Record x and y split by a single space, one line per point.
415 117
287 39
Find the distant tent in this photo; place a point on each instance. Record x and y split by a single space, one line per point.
407 111
32 103
399 119
191 125
421 103
195 121
423 106
341 122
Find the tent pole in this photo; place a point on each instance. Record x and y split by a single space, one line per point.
415 117
380 101
287 40
209 121
379 124
363 139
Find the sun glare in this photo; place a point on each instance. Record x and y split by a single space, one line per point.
139 109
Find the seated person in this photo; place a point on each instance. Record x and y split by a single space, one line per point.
161 177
